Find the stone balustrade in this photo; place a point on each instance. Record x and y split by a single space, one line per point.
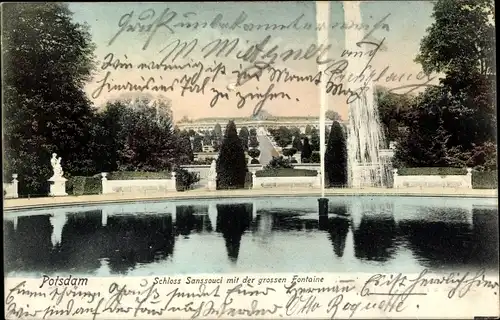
292 182
433 181
138 186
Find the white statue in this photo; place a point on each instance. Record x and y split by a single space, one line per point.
56 165
212 177
212 173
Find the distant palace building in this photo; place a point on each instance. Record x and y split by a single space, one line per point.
203 124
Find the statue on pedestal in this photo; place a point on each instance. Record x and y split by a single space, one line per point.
57 181
212 176
56 166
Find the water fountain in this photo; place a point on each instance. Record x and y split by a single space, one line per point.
322 16
366 166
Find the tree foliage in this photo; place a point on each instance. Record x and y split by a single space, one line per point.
290 152
283 136
254 153
48 58
253 142
453 123
197 143
336 157
393 109
461 39
139 138
244 134
297 143
231 163
315 140
306 150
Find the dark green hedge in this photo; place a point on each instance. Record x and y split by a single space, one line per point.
138 175
485 179
431 171
286 172
79 185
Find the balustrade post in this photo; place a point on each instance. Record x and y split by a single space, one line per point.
318 179
395 180
469 178
15 185
173 181
104 183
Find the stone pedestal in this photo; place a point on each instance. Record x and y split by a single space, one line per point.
212 184
57 186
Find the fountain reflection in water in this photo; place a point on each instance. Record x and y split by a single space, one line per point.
364 135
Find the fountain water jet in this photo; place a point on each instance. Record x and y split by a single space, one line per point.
322 16
366 167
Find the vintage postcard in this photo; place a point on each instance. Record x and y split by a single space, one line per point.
250 160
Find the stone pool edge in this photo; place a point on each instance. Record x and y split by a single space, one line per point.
20 204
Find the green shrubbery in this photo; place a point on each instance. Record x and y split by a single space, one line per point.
278 163
431 171
286 172
185 179
485 179
138 175
79 185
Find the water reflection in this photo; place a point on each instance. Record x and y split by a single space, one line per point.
133 240
232 221
337 227
374 238
120 239
456 243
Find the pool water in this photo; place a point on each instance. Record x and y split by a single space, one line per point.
382 234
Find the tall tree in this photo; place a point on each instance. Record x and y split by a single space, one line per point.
315 140
297 143
306 150
244 134
231 163
336 157
48 58
461 39
197 143
460 44
142 138
184 148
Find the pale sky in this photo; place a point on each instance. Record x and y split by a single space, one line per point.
403 28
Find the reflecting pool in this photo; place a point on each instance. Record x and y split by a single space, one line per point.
381 234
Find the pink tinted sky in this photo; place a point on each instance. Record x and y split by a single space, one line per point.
407 22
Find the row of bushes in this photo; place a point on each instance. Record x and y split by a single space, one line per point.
138 175
286 172
431 171
485 179
79 185
480 179
281 172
